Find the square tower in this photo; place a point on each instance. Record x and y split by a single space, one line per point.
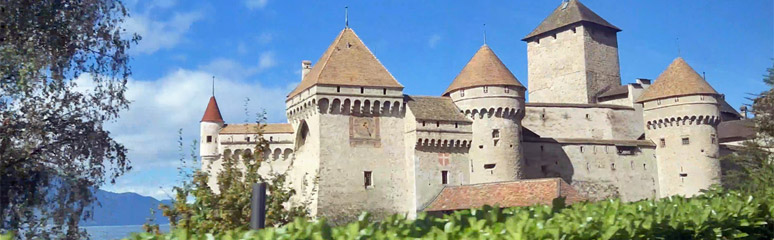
572 56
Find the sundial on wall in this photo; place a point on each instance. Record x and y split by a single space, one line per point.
364 131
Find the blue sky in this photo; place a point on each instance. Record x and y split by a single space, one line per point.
254 49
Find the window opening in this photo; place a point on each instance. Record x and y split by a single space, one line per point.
490 166
486 89
495 133
444 177
713 138
686 141
338 88
385 91
507 89
367 179
209 139
662 142
362 89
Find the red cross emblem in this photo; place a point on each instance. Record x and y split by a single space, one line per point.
443 159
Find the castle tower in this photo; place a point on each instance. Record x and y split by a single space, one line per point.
209 127
348 114
681 114
487 91
572 56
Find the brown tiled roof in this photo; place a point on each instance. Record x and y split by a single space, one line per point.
568 13
504 194
736 130
484 69
252 128
212 113
347 62
727 108
615 91
679 79
434 108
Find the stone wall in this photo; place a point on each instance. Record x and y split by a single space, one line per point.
589 121
556 67
597 168
601 60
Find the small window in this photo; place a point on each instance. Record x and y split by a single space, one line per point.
490 166
677 99
612 166
486 89
385 91
644 167
456 125
423 123
444 177
367 181
209 139
507 89
247 139
338 88
662 142
713 138
541 148
437 124
686 141
462 92
701 97
588 116
480 146
271 139
581 148
496 133
362 89
658 102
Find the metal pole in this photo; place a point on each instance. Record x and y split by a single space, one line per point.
258 206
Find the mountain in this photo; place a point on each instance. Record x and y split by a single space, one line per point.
124 209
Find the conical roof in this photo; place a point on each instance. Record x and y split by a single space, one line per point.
347 62
568 13
484 69
212 114
679 79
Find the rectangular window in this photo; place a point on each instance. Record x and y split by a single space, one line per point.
713 138
444 177
486 89
367 181
495 133
362 90
686 141
247 139
662 142
209 139
489 166
658 102
338 88
507 89
462 92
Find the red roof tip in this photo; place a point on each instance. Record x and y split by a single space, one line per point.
212 114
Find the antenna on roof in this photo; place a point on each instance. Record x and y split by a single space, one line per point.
484 33
213 85
678 47
346 17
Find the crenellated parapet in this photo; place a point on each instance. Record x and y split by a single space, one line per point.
683 121
492 112
443 143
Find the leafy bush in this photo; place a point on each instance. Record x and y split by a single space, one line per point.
716 214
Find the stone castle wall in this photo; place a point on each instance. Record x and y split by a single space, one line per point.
597 168
585 121
557 77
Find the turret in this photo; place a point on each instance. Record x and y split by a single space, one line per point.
209 127
572 56
681 113
488 93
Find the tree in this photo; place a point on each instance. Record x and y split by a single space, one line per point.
752 166
210 212
54 151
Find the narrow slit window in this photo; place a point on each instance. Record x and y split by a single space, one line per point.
662 142
456 125
486 89
367 181
444 177
462 92
338 88
385 91
362 90
713 138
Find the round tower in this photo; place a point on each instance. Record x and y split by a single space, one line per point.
488 93
681 113
209 127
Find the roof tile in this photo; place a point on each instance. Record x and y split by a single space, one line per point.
434 108
679 79
504 194
573 12
212 113
483 69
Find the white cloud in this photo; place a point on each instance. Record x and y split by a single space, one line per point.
266 61
256 4
433 41
265 38
149 129
160 34
231 69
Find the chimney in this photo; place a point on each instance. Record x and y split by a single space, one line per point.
744 111
643 81
306 66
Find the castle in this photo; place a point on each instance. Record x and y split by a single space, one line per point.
366 146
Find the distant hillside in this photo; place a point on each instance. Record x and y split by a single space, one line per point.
124 209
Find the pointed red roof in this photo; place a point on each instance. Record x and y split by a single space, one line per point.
679 79
212 114
484 69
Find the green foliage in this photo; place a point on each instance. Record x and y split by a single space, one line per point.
715 215
199 210
63 74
